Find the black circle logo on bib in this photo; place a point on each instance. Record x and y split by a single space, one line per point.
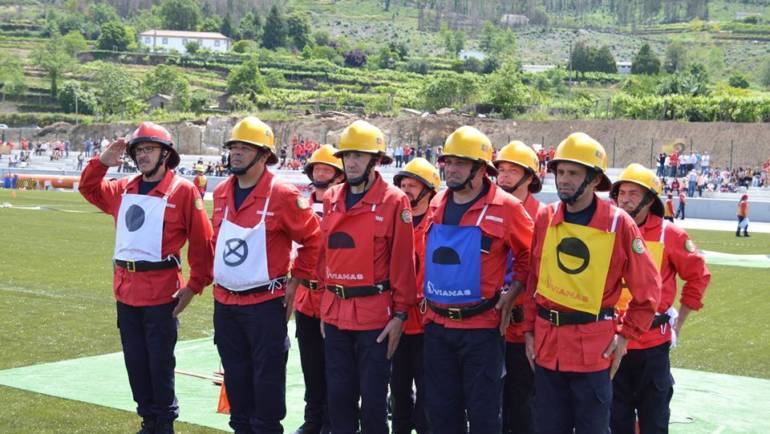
134 218
236 251
446 256
572 255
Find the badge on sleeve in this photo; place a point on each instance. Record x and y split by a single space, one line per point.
637 246
302 203
199 203
406 216
689 246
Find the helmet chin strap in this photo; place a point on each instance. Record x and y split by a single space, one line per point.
571 199
364 178
518 184
467 182
645 200
241 170
419 197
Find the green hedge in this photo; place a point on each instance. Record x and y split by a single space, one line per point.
692 108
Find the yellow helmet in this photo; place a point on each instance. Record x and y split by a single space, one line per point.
361 136
421 170
200 168
518 153
253 131
323 155
645 178
582 149
469 143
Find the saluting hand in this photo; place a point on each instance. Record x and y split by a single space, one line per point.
616 349
393 331
288 297
113 155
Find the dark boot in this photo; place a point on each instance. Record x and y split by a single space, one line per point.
745 232
164 427
308 428
148 426
738 233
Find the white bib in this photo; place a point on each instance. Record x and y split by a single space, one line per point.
139 234
240 258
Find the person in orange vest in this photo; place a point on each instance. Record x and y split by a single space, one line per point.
473 225
680 208
367 268
324 170
200 181
643 385
743 216
254 285
517 173
584 248
419 179
668 208
155 213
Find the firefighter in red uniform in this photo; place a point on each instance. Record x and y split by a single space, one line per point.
643 386
517 173
155 213
200 181
584 247
668 210
473 226
367 268
743 216
419 179
254 287
324 170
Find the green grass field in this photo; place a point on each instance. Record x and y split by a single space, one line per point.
57 304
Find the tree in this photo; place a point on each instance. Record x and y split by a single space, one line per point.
11 76
180 14
694 82
298 29
738 80
117 92
506 91
212 24
645 62
115 36
580 57
101 13
250 26
246 79
676 57
275 29
74 42
604 61
227 26
54 60
449 89
74 99
192 47
168 80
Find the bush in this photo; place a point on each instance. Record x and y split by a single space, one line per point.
355 58
738 80
245 46
418 66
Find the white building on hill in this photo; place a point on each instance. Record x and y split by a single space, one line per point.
177 40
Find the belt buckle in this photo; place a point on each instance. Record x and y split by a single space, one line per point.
553 317
312 284
340 291
131 266
455 313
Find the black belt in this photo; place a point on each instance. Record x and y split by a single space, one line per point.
309 284
659 320
460 313
132 266
345 292
264 288
559 318
517 314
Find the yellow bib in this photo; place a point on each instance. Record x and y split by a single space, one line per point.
656 252
574 265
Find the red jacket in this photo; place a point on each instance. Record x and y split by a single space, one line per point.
680 257
185 219
308 301
510 228
393 259
201 182
289 218
413 324
515 332
579 348
669 208
743 208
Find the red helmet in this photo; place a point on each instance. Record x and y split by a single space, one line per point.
152 132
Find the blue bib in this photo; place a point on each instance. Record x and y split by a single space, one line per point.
453 264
